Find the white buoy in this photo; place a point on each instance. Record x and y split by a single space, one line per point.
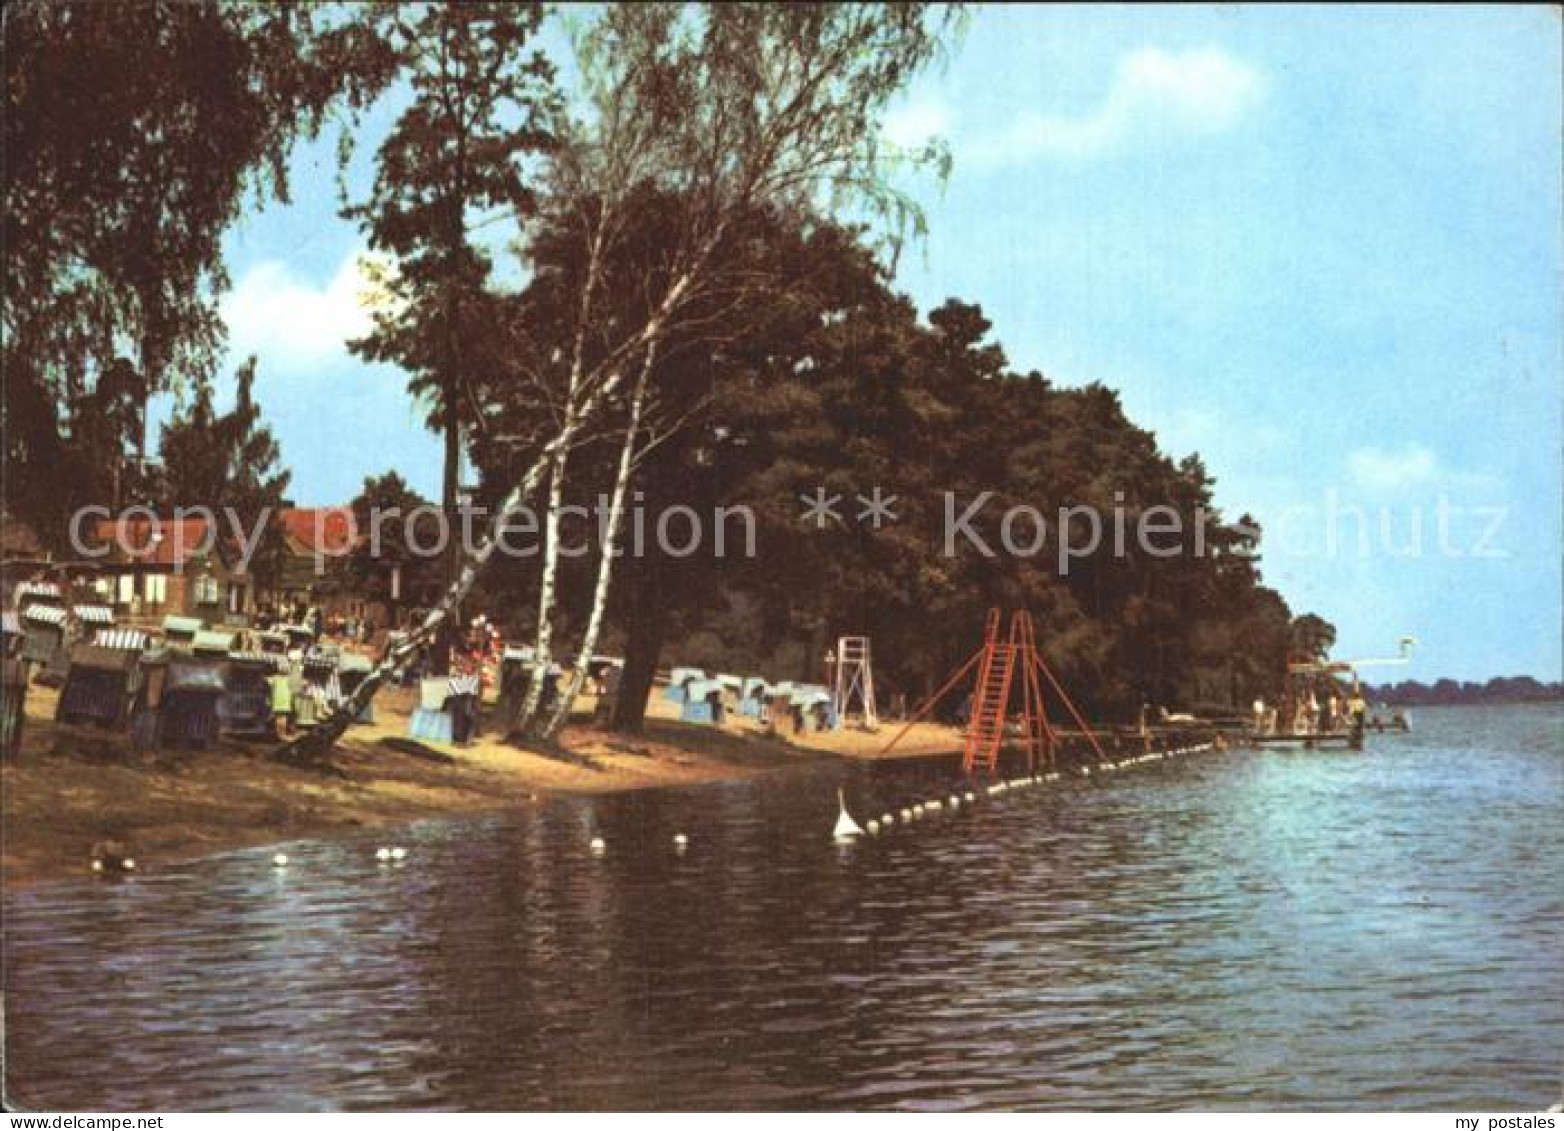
280 860
97 865
680 840
127 864
887 820
399 853
971 797
382 853
955 802
872 826
935 805
846 827
598 845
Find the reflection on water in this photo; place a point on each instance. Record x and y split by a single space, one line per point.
1301 929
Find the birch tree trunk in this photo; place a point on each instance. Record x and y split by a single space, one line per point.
605 568
543 638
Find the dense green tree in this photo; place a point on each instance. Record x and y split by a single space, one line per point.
393 522
1312 636
221 459
1500 689
481 108
853 394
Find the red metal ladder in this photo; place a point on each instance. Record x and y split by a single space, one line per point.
998 662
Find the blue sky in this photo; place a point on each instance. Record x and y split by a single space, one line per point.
1320 247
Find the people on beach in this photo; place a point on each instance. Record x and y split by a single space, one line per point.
609 694
1357 710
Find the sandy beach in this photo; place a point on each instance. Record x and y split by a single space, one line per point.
70 787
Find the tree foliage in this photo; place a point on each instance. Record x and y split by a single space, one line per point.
482 106
229 462
1312 636
835 384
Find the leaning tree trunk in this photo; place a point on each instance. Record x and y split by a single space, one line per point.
315 744
605 568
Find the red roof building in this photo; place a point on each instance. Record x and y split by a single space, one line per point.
330 531
158 567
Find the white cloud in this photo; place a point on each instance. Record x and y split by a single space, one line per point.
1412 465
280 317
1383 469
1154 92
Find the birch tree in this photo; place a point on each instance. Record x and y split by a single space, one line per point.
669 112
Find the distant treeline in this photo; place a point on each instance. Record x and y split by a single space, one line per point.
1502 689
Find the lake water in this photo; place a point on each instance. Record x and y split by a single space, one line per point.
1300 929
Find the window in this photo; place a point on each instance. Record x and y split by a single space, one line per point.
127 588
206 590
156 588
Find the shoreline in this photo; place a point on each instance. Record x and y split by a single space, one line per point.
70 787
